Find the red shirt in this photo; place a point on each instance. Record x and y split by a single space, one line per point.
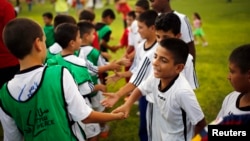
7 13
124 8
124 38
95 43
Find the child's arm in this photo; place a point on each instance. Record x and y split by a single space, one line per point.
100 87
112 98
111 66
117 76
125 108
102 117
199 126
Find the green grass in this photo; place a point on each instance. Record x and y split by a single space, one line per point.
226 26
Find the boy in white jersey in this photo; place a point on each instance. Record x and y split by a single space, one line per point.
173 112
237 102
168 26
147 48
41 103
163 6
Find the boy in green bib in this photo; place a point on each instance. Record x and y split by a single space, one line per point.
41 103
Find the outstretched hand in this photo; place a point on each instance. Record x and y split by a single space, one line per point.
124 109
113 78
110 100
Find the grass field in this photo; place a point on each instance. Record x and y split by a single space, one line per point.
226 26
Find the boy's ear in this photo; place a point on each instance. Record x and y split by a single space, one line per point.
37 44
71 43
179 67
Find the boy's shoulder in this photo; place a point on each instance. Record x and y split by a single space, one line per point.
101 25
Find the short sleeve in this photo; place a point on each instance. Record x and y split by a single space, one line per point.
189 103
76 105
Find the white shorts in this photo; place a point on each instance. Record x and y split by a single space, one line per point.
96 102
90 129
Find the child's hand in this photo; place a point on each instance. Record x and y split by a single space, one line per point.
100 87
106 55
115 66
120 115
110 100
113 78
122 109
125 62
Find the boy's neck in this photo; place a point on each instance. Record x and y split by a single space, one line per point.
149 42
168 81
85 43
29 61
67 52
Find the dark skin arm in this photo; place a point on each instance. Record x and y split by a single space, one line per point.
192 50
199 126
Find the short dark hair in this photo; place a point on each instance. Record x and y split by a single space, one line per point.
64 33
59 19
87 15
143 4
19 35
148 17
168 22
85 27
240 57
108 13
178 48
49 15
132 14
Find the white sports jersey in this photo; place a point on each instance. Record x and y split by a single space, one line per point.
186 30
231 105
23 84
55 48
144 66
139 53
134 38
189 72
169 108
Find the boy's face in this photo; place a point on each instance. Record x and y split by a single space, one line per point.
90 36
160 35
109 20
164 62
240 81
138 11
144 30
78 41
47 21
129 20
158 5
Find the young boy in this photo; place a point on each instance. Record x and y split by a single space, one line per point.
31 104
104 33
68 37
168 25
173 112
48 28
88 15
56 48
145 54
237 102
235 107
88 53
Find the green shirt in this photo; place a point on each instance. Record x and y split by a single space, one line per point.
49 33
